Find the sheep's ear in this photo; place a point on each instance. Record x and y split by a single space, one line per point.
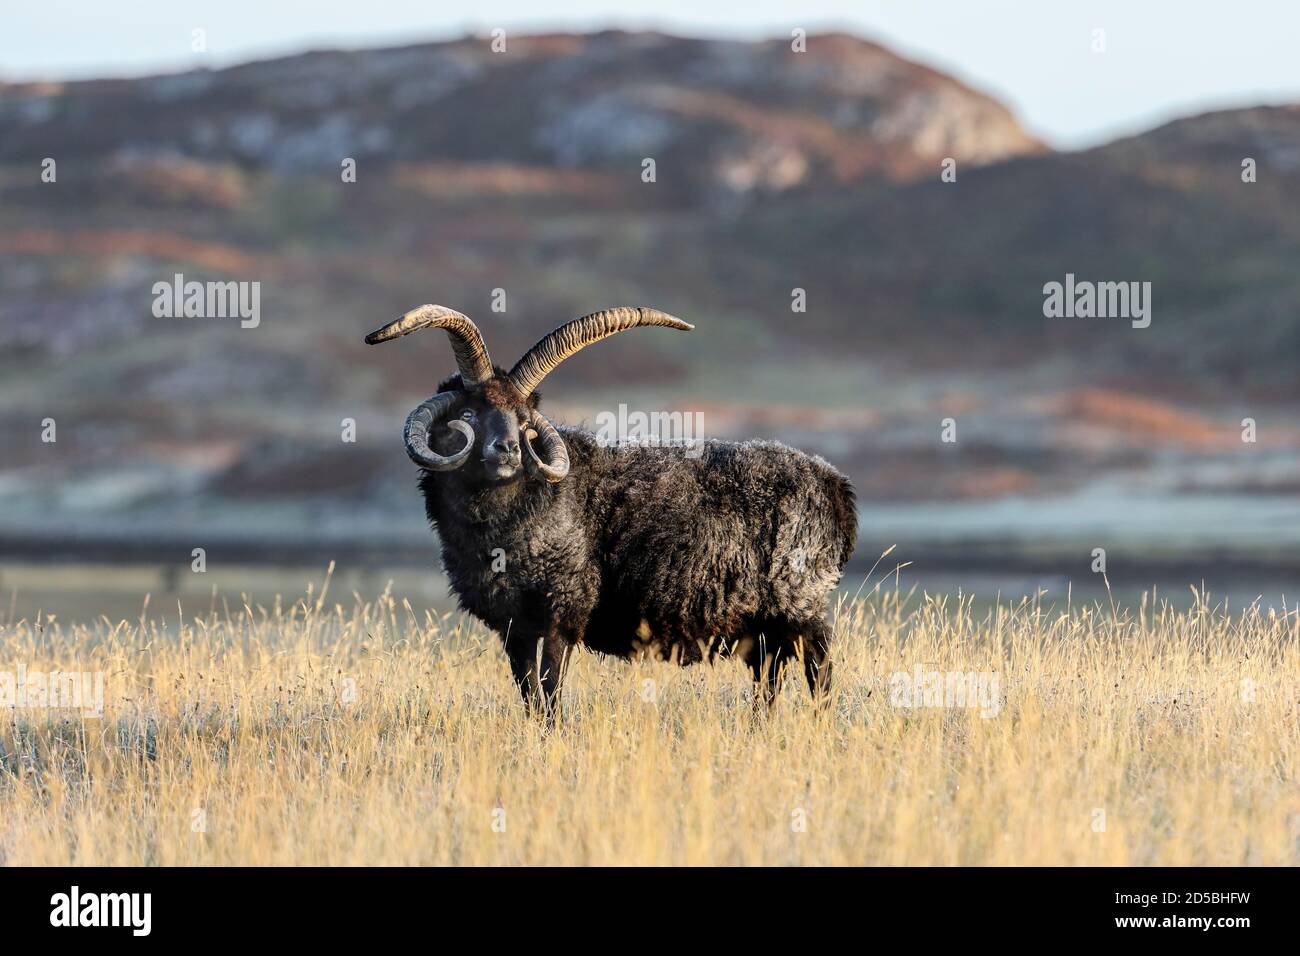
534 400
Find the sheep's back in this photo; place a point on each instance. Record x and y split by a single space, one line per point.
704 539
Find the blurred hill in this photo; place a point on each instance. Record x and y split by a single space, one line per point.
722 118
481 175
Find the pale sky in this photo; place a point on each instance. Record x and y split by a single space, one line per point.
1163 58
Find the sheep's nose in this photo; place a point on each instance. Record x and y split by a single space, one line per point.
505 447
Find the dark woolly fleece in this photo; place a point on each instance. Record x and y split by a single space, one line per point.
646 550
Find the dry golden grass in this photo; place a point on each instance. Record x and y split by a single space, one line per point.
1182 727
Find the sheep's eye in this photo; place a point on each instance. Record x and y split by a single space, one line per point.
468 414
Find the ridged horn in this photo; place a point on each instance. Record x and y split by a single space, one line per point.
553 463
466 340
575 336
421 421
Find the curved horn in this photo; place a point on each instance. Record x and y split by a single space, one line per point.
577 335
416 434
466 340
554 460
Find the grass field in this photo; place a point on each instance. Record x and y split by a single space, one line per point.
332 731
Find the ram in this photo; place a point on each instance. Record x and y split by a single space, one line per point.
557 540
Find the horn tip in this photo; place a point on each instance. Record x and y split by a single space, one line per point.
670 320
423 317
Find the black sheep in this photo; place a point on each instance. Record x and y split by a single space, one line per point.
680 551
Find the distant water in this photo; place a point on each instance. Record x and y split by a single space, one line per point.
1104 514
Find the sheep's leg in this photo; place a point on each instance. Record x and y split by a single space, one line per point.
814 645
766 663
539 681
556 652
523 665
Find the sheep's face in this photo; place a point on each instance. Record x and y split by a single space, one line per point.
499 420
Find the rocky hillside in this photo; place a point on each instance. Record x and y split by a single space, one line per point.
935 264
720 118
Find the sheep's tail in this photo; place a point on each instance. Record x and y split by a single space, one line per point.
844 509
